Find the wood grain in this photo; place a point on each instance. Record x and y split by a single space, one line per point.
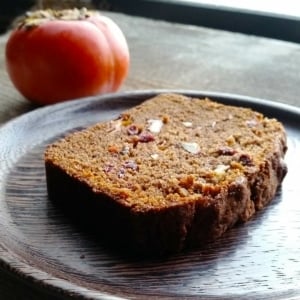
49 254
166 55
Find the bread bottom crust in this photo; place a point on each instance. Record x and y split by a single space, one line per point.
169 230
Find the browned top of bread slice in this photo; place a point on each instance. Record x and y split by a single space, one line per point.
171 150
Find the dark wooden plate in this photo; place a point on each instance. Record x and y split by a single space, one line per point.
38 244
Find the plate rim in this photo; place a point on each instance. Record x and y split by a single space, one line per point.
33 275
138 93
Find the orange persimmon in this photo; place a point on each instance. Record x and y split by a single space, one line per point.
53 56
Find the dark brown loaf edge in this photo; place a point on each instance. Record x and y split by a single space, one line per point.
171 229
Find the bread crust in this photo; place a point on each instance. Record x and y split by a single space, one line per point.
237 179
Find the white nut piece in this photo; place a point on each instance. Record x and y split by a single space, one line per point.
187 124
155 125
192 147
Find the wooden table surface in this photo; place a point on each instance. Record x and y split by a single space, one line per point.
174 56
165 55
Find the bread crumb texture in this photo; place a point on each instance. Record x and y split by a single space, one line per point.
176 151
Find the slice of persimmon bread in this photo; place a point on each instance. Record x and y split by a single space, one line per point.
170 173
